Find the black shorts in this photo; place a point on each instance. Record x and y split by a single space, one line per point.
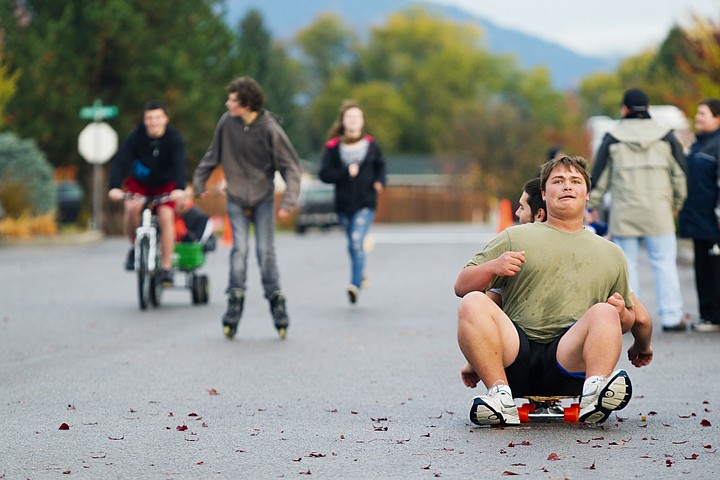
536 371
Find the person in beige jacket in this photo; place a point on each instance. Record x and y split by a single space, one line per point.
641 164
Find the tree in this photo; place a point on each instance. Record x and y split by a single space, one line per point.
8 83
268 62
124 52
432 63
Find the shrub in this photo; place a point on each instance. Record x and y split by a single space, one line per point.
26 178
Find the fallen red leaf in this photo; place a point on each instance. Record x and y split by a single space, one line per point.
64 426
508 472
297 459
71 407
212 391
181 428
426 435
694 456
200 463
316 455
427 468
193 415
707 446
705 423
117 438
554 456
306 473
668 463
591 467
679 443
67 472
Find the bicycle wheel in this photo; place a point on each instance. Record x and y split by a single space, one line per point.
144 273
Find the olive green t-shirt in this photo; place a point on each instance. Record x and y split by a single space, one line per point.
563 276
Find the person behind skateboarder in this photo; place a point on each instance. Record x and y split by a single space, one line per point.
564 291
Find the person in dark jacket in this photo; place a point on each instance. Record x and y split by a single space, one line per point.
700 216
150 162
353 161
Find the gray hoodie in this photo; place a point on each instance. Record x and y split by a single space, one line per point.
250 155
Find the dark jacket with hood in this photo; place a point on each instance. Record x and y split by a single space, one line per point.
353 193
153 162
699 216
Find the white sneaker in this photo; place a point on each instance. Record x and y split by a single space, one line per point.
495 408
601 396
706 326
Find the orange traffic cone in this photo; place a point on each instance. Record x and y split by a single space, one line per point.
506 218
227 238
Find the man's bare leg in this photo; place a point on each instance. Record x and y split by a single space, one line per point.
490 342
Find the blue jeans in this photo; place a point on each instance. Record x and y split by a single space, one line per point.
662 251
263 218
356 228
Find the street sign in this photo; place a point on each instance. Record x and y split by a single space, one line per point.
97 142
98 111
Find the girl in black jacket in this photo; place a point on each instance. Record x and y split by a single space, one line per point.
352 160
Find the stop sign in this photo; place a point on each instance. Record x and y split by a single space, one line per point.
97 142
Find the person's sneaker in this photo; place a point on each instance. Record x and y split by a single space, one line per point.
353 293
166 277
497 407
231 318
278 310
130 260
680 327
601 396
706 326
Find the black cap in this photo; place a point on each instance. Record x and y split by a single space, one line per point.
636 100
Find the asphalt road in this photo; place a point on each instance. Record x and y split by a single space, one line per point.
365 391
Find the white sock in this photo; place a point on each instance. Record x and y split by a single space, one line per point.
504 388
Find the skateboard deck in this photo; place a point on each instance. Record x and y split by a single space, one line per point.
549 409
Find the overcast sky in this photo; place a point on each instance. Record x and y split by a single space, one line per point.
608 27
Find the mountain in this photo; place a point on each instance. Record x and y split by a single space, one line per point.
285 17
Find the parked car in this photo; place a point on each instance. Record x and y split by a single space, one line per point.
316 207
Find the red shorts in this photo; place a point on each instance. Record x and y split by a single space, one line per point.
133 186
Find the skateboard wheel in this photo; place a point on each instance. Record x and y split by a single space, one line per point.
572 413
524 412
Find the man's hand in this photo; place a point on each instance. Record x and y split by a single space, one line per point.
116 194
639 356
178 196
283 213
508 264
627 315
469 377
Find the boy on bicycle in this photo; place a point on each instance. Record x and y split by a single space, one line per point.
150 162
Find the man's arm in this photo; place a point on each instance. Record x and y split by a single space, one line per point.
476 278
287 163
640 353
600 171
210 160
677 172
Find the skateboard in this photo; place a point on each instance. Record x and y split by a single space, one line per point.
548 409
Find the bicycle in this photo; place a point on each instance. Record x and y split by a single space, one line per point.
188 257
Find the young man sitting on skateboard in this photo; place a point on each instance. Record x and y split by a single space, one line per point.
564 289
532 208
